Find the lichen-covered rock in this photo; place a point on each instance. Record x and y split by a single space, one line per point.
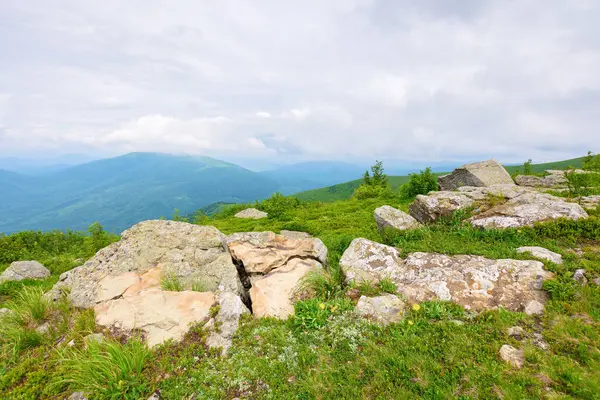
526 210
590 202
261 252
517 332
389 217
19 270
383 309
226 322
369 261
579 276
251 213
542 253
295 234
426 209
191 253
512 356
483 173
475 282
554 179
274 266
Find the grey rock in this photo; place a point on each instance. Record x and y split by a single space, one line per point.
251 213
542 253
389 217
554 179
5 312
512 356
231 308
484 173
426 209
19 270
154 396
475 282
77 396
517 332
579 277
383 309
596 281
190 252
43 328
590 202
526 210
295 234
539 342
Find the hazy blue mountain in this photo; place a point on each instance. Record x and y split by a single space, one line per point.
43 165
123 190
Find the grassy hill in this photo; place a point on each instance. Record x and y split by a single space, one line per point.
345 190
438 351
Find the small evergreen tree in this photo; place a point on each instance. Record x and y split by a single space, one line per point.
527 170
591 162
379 178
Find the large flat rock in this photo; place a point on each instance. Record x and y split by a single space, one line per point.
475 282
388 217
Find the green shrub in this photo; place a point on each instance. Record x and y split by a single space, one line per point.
372 192
278 204
106 370
387 286
591 162
421 183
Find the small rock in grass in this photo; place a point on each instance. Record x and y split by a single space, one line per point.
512 356
20 270
5 312
155 396
539 342
384 309
542 253
43 328
516 332
77 396
579 276
251 213
596 281
534 307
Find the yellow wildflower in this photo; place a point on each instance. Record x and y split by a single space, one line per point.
322 306
416 307
410 322
334 308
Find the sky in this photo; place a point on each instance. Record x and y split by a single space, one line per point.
427 81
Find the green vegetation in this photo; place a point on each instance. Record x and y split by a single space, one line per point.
421 183
438 351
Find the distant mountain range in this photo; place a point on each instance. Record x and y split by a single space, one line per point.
121 191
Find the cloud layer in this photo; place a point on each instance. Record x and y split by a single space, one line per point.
345 79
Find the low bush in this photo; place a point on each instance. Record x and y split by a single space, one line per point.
421 183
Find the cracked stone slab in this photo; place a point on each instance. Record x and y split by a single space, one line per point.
542 253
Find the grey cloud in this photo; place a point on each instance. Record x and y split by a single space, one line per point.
430 80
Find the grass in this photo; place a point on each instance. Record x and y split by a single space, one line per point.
438 351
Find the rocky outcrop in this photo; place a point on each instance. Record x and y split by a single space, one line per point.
20 270
542 253
190 253
435 205
590 202
526 210
251 213
475 282
484 173
384 309
123 281
554 179
273 267
388 217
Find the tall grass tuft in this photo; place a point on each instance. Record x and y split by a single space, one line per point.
170 282
109 370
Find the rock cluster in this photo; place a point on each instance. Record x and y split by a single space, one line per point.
475 282
553 179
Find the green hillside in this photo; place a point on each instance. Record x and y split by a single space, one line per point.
344 190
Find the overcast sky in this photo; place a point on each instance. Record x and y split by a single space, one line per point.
425 80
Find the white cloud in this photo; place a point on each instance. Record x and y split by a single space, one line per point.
340 79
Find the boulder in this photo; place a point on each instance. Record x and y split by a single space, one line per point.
484 173
554 179
123 281
295 234
19 270
389 217
590 202
542 253
225 323
274 266
426 209
367 261
251 213
190 253
526 210
475 282
512 356
384 309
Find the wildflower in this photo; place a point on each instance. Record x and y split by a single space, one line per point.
410 322
416 307
334 308
322 306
